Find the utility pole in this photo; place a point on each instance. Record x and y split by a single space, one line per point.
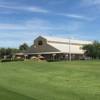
70 50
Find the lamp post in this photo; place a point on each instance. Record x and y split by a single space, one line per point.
69 50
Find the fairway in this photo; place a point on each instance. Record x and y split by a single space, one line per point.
76 80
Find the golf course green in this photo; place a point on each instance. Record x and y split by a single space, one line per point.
29 80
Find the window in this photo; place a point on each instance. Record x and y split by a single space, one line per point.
40 42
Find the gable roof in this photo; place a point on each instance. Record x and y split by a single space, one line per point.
65 48
67 40
62 44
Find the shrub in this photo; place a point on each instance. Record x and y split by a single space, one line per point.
11 60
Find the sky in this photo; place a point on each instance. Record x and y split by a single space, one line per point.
21 21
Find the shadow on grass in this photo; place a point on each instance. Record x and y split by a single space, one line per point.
6 94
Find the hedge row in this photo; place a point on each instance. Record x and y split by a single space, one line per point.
11 60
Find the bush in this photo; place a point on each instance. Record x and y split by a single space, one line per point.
6 60
11 60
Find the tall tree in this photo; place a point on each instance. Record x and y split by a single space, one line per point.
92 50
23 47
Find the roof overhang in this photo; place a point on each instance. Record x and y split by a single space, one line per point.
39 53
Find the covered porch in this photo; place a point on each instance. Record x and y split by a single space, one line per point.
56 56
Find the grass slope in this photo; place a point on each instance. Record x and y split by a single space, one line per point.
50 81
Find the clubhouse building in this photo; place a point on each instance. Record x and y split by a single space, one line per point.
52 48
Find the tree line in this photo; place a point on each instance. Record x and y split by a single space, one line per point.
9 52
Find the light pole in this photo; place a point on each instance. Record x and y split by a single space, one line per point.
69 50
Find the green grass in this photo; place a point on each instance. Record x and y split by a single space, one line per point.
77 80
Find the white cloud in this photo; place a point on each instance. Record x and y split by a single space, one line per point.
41 25
30 25
71 28
24 8
75 16
11 7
